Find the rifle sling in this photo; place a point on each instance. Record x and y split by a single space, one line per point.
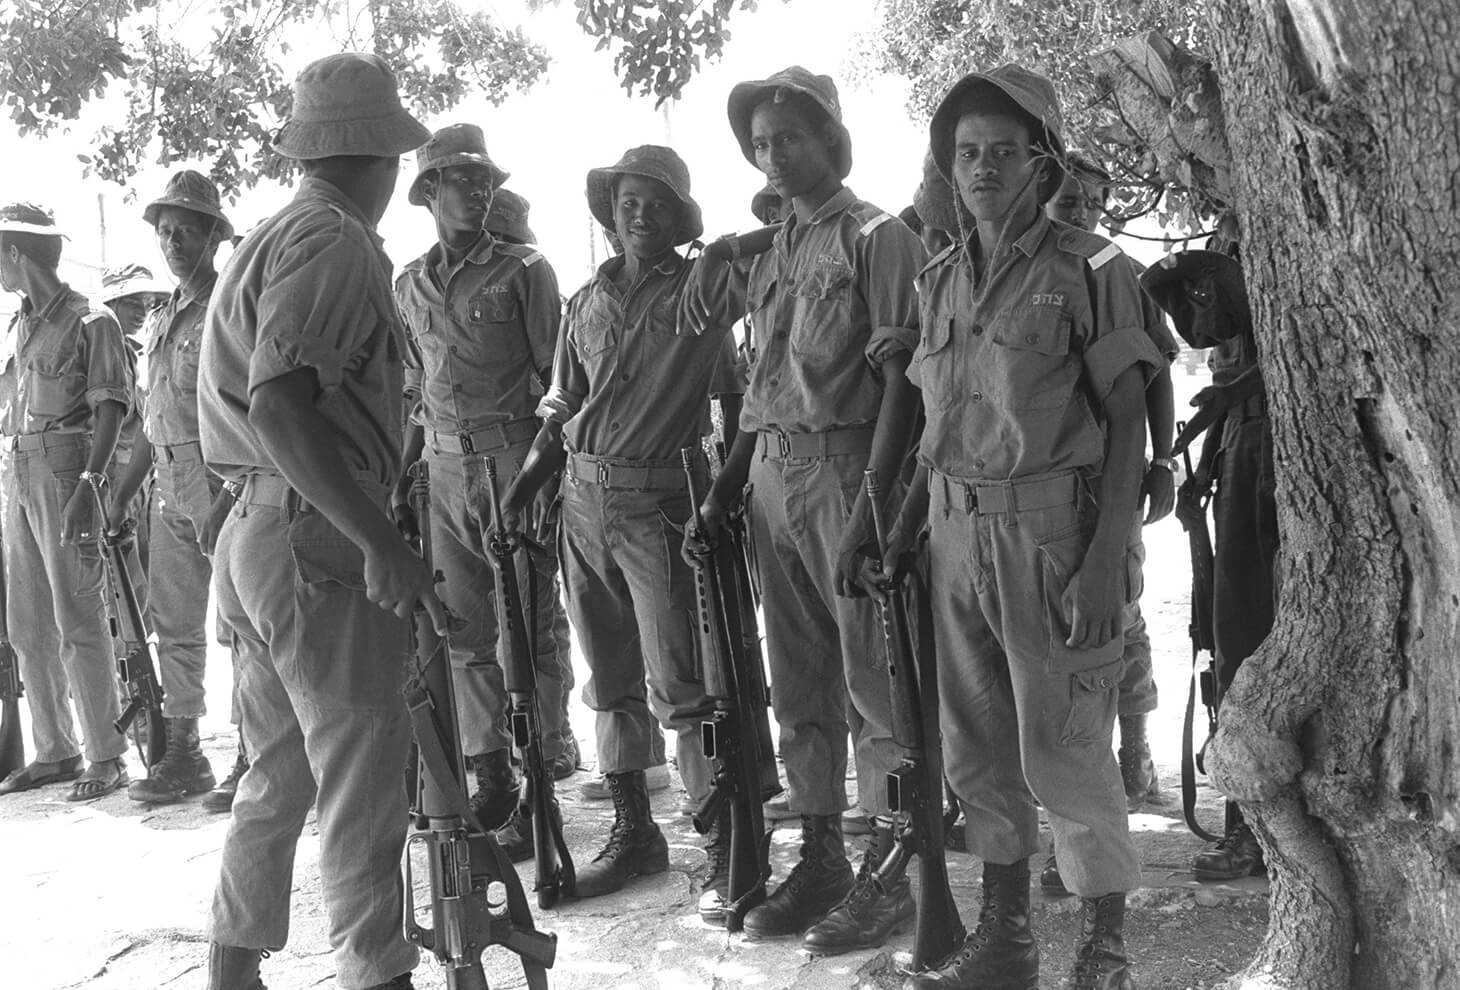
1188 758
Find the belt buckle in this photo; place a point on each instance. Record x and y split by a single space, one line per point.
784 440
970 499
467 447
603 473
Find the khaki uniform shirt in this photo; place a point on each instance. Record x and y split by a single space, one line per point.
174 344
60 364
309 288
1014 370
625 382
478 343
828 303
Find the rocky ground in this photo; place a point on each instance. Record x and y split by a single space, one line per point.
113 895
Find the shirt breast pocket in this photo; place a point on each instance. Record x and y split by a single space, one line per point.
933 359
823 313
55 384
1035 368
493 315
185 360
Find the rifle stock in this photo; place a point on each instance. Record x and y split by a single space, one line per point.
465 860
736 737
136 663
915 788
554 864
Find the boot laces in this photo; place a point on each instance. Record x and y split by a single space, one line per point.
240 767
717 853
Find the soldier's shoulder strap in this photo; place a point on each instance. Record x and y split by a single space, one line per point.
1096 250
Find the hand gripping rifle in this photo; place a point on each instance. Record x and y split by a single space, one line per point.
12 745
465 859
737 737
915 788
136 664
516 635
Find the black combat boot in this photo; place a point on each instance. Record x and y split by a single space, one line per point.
1137 769
1000 954
715 892
870 914
220 798
1100 961
401 982
635 845
1237 855
496 794
183 769
816 884
232 968
515 837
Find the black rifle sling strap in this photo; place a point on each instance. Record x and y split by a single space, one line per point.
1188 756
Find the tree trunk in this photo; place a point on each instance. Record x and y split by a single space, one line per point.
1341 735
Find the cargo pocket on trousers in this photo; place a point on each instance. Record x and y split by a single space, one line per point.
679 578
1092 704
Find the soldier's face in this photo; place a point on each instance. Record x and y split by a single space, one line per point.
994 164
463 196
1078 202
186 239
795 156
646 216
131 311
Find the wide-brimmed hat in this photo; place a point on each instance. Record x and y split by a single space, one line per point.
1204 294
348 104
29 218
1031 92
457 144
508 217
746 96
192 191
763 202
131 280
652 161
934 201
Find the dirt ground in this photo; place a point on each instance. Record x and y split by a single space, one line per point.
114 895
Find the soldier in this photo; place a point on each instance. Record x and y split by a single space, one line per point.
834 320
299 403
65 388
189 503
482 320
1032 364
628 394
131 293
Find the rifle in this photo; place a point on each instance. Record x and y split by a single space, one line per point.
1191 512
12 744
465 858
517 636
136 663
737 737
915 788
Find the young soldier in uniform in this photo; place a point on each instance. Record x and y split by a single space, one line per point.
131 293
65 388
299 400
628 394
1080 201
482 319
1032 365
834 319
188 504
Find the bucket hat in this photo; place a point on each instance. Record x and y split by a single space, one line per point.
746 96
458 144
1204 294
348 104
654 162
191 191
28 218
508 217
1031 92
763 202
934 201
130 280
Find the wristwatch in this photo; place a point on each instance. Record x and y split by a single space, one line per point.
1167 464
96 479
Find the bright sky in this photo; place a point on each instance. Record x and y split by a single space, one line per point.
576 118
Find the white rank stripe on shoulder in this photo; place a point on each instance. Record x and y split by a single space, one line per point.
532 259
1106 253
874 223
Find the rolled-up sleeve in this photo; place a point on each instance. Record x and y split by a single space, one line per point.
109 376
892 256
569 389
313 314
1120 338
542 312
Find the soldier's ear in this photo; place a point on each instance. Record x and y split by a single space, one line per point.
430 184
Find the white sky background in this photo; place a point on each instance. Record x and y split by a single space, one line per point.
575 118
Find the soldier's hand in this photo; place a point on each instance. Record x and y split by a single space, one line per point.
700 537
1159 488
78 517
397 580
406 522
1092 604
213 525
116 517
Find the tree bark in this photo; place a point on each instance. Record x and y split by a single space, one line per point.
1340 737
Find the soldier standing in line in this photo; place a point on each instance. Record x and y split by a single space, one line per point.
629 392
1032 366
65 387
300 402
189 503
482 317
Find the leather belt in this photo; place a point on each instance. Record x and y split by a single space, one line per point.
172 453
274 491
987 499
487 438
41 441
826 443
622 474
